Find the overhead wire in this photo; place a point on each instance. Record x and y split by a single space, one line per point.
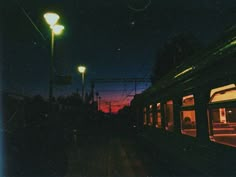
31 21
123 99
140 9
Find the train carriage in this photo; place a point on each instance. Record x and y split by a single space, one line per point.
190 114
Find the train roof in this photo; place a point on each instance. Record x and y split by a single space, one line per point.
194 65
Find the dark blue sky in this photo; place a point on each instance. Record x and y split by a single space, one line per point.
113 38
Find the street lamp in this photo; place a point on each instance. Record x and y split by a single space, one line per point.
52 19
82 70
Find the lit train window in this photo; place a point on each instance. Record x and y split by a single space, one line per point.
158 115
144 117
187 115
224 96
188 100
169 115
222 115
150 122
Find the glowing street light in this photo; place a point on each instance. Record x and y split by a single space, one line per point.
82 70
52 19
57 29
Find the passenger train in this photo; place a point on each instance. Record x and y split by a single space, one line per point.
190 113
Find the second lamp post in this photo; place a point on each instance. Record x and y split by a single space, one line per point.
82 70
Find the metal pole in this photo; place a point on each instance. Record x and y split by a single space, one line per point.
83 86
99 102
51 81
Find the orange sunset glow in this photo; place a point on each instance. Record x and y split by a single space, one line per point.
113 102
113 96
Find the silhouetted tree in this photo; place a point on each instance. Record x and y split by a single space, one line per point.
173 53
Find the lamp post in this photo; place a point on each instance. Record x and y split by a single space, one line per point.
52 19
82 70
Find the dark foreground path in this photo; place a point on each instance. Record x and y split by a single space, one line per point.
97 148
111 149
104 155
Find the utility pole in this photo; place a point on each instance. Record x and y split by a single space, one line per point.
99 103
109 103
117 80
92 91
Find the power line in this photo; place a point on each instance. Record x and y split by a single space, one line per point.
31 21
125 92
140 9
117 80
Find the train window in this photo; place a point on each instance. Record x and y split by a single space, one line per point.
224 96
188 100
145 116
158 115
169 115
187 115
222 115
150 122
215 90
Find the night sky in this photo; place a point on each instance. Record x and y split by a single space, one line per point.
112 38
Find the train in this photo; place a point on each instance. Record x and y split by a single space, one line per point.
188 117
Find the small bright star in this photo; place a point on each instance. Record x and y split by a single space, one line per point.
133 23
